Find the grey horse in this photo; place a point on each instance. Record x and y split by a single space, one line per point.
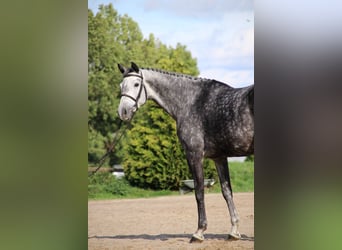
213 120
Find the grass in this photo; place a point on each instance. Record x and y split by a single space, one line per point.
242 177
107 186
134 193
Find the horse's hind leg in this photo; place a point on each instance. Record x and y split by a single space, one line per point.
223 172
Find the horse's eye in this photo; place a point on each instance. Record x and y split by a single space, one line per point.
136 84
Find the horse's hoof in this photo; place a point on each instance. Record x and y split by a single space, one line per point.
234 236
197 238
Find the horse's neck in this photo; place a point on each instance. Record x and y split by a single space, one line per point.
173 93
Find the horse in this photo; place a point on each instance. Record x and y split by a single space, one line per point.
213 120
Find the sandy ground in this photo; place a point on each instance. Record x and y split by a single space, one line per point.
167 223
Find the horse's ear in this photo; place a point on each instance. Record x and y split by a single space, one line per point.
121 68
135 67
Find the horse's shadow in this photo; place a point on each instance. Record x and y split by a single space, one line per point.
165 237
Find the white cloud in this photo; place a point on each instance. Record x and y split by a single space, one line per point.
219 33
198 8
234 50
223 47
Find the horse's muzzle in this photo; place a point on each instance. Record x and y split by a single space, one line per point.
126 110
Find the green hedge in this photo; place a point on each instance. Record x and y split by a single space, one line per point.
153 155
106 183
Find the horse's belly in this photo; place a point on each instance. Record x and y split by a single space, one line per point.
230 146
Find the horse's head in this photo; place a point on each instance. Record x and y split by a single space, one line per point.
133 92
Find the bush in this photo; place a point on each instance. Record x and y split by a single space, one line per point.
250 158
153 155
106 183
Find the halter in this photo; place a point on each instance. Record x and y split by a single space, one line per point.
140 89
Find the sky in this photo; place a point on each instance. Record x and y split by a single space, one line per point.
218 33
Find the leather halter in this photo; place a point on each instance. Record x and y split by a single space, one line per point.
136 99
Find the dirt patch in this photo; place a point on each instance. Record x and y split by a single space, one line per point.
167 223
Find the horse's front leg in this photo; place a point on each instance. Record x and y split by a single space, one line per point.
195 161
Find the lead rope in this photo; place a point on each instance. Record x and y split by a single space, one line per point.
116 139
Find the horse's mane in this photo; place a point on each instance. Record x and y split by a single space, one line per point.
194 78
176 74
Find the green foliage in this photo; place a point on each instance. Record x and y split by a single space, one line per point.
154 158
241 175
106 186
150 152
106 183
112 39
250 158
104 51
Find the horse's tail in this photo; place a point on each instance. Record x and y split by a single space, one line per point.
250 96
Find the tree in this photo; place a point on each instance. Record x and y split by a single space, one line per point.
150 151
111 39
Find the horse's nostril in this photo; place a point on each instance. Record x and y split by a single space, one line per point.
125 111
